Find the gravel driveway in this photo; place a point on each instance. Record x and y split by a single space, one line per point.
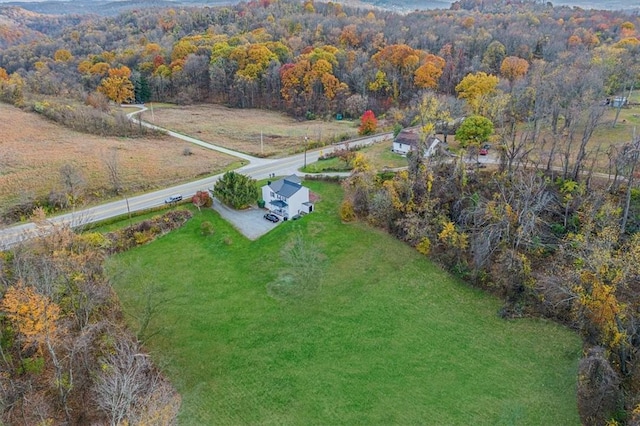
249 222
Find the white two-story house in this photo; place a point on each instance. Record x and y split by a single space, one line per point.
409 140
287 197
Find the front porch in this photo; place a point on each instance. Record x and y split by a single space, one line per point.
280 208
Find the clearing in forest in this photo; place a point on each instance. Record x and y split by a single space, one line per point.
321 322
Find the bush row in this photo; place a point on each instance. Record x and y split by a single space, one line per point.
145 231
87 119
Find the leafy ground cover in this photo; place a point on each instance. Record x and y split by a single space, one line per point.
319 322
256 132
334 164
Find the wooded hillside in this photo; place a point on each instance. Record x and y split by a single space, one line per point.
554 229
317 58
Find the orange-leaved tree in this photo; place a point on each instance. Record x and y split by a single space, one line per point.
428 74
514 68
309 83
33 315
398 62
368 123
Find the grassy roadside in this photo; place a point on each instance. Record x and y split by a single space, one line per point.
379 156
378 336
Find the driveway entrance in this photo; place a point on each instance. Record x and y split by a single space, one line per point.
249 222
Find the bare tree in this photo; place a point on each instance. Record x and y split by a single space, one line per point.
125 378
130 389
632 154
511 220
598 393
113 170
590 125
72 181
356 105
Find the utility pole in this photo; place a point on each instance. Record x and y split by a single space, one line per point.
305 151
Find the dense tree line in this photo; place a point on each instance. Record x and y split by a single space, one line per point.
66 355
316 58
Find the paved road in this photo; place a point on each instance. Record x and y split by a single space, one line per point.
258 168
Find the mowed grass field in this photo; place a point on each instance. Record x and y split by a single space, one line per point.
379 156
376 335
243 129
33 149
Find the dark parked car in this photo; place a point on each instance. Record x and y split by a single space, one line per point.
271 217
173 199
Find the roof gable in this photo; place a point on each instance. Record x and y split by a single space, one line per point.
411 138
407 137
286 187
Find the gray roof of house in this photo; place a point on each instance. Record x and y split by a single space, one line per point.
286 187
411 137
407 137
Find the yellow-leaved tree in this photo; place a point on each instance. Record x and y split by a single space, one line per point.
117 86
62 55
477 89
33 315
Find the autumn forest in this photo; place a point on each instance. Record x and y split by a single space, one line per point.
553 229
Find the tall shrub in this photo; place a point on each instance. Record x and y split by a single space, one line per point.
236 190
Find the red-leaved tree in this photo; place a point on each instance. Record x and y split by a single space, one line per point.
201 199
368 123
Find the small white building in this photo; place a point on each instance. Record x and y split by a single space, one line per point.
287 197
409 140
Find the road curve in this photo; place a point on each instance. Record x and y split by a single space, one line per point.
258 168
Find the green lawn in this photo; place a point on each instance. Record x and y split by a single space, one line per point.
379 155
329 165
376 335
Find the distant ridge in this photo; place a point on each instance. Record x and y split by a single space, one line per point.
110 7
